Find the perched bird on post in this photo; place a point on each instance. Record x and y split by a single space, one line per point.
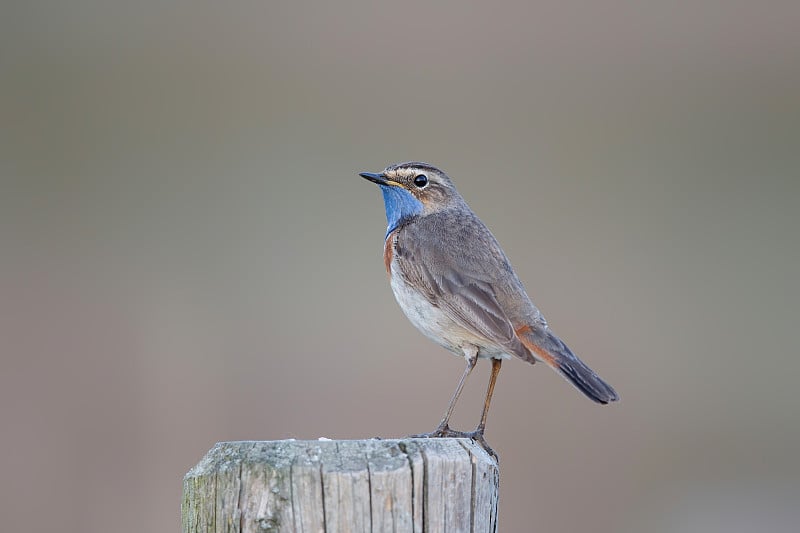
455 284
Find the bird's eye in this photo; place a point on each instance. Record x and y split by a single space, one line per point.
421 180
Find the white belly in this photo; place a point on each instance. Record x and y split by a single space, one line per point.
436 325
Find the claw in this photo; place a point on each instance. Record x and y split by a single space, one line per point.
444 432
477 436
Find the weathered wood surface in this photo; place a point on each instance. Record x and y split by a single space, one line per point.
407 485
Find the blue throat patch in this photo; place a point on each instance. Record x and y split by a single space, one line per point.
400 204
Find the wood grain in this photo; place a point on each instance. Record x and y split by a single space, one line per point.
407 485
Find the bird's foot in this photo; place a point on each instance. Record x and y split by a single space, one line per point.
478 437
441 432
444 432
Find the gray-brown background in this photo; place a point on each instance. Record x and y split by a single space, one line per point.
188 255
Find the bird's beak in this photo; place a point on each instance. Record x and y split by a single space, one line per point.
374 178
380 179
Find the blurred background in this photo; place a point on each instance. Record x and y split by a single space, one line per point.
187 254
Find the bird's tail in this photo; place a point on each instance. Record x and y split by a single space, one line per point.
547 347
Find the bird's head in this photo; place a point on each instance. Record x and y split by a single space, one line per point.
413 189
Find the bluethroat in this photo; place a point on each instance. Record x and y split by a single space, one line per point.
455 284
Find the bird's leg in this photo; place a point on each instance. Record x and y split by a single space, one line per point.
477 435
444 430
489 391
443 425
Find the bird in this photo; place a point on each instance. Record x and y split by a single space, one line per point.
455 284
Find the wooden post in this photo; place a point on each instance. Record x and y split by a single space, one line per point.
407 485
